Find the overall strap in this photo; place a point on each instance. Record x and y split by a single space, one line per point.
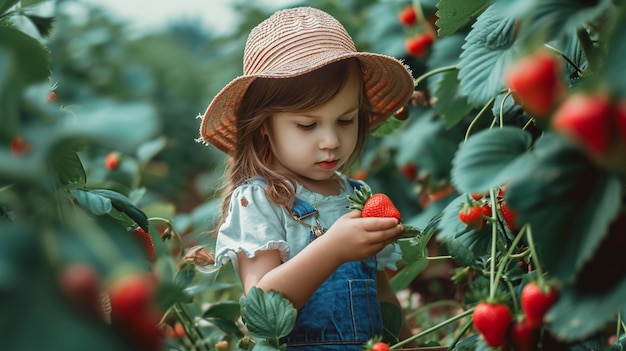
299 209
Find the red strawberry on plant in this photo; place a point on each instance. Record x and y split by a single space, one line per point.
416 46
523 337
373 205
492 321
472 215
509 216
80 283
586 120
536 82
112 160
19 147
407 16
380 346
536 303
409 171
146 242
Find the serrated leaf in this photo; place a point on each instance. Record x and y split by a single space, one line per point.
94 203
486 53
267 314
456 14
65 162
123 204
43 24
407 274
490 158
576 316
569 204
168 295
451 105
549 19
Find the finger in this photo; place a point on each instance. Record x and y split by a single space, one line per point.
379 223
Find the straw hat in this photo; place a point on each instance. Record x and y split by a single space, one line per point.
293 42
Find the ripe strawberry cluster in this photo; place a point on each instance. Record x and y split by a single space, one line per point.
495 323
421 37
593 120
128 303
477 210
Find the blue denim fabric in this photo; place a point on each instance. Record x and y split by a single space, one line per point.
343 313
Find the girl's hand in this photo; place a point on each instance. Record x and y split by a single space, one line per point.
352 238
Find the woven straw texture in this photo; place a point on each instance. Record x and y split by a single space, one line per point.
293 42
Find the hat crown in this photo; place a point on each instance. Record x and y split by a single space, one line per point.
304 32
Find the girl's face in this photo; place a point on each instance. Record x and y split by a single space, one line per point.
314 144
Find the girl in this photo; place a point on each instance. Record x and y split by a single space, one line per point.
298 116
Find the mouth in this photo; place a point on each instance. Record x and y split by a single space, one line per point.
328 164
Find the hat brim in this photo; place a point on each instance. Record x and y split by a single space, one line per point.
387 81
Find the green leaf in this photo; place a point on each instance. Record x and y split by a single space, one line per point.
569 204
43 24
30 58
149 149
123 204
392 321
615 64
490 158
414 254
94 203
123 126
486 53
7 4
267 315
168 295
456 14
68 166
451 104
224 314
576 316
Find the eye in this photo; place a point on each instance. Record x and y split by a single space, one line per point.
346 122
306 126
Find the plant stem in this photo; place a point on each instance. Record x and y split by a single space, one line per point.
451 303
509 253
480 114
433 328
464 329
560 53
508 93
533 255
171 227
434 72
494 238
434 258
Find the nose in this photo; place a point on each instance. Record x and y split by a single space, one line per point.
329 139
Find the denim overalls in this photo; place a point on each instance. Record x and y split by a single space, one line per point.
344 312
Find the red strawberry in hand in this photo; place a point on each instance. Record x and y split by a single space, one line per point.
492 321
535 303
536 82
146 242
373 205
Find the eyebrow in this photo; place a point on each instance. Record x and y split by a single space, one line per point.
347 112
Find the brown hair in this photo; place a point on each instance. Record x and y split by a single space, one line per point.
267 96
